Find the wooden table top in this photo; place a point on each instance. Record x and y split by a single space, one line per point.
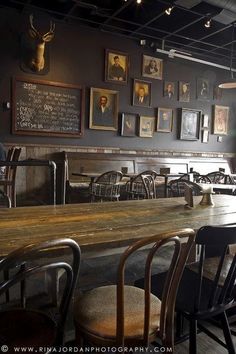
108 224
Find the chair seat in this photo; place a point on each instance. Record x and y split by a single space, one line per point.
27 328
95 312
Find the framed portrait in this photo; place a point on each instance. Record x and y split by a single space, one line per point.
164 120
128 124
146 126
203 89
169 89
152 67
221 119
116 67
103 113
205 136
142 93
190 124
184 91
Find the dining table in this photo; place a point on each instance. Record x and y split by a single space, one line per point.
108 225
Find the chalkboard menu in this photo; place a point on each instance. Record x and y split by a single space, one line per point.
47 108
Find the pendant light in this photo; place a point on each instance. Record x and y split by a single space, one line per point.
231 82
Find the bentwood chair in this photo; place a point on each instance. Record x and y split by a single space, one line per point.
106 186
27 322
177 187
8 180
207 288
141 186
122 314
217 177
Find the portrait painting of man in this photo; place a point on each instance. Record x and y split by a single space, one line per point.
128 124
103 109
164 120
116 67
203 89
169 89
152 67
221 118
142 93
184 91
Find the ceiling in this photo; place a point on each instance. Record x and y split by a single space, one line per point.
183 30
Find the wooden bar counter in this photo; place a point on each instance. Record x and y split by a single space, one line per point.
109 224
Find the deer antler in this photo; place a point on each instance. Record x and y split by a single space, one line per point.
33 32
47 37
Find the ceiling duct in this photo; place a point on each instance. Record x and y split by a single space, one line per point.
228 14
223 4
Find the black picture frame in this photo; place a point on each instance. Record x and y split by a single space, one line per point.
128 124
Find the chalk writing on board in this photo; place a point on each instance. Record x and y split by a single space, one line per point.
47 108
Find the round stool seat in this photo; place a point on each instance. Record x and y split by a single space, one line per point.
95 312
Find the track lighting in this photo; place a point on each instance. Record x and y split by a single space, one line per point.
207 24
168 11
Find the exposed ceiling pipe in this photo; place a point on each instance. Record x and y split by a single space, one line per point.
223 4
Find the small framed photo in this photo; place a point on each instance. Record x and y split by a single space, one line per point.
190 124
103 113
128 124
146 126
169 89
116 67
221 119
205 136
164 120
142 93
205 121
203 89
184 91
152 67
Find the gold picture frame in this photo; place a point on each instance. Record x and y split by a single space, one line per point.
103 109
146 126
221 120
164 120
116 66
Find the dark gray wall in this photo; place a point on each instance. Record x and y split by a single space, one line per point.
77 56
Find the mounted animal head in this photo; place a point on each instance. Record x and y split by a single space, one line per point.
37 60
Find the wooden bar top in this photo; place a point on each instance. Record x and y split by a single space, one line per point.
109 224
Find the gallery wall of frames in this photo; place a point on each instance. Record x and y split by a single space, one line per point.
130 96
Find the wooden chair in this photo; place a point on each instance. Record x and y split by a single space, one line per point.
202 179
141 186
8 181
106 186
216 177
207 288
177 188
25 322
125 315
5 201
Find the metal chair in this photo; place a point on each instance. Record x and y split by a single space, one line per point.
8 180
141 186
125 315
21 323
202 179
106 186
177 187
216 177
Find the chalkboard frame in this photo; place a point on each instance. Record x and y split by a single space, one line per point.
15 130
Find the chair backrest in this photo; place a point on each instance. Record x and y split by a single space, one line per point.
177 263
177 187
110 177
202 179
13 154
5 201
142 186
216 177
215 276
153 173
35 258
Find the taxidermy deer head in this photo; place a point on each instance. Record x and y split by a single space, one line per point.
37 60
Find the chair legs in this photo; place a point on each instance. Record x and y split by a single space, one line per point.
227 334
192 336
